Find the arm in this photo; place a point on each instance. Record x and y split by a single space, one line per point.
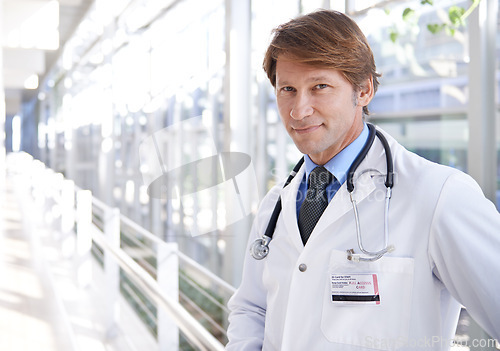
248 305
248 310
465 247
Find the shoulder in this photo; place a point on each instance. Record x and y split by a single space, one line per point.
272 196
267 205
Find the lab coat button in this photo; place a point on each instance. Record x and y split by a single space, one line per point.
302 267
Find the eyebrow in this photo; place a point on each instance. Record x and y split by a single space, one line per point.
317 79
309 80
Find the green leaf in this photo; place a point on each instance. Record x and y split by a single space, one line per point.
408 13
450 31
393 35
455 14
435 28
428 2
387 11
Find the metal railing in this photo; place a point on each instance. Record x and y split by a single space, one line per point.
196 334
138 242
98 225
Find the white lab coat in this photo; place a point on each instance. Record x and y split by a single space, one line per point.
447 253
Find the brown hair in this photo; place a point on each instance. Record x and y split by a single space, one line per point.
324 38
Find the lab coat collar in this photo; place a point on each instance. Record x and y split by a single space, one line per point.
289 209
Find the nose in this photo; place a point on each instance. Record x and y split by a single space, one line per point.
302 107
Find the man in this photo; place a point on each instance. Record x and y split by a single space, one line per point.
443 235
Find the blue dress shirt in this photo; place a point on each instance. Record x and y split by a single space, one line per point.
338 166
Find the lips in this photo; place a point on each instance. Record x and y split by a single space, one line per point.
307 129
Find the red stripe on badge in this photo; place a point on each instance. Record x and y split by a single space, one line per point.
375 286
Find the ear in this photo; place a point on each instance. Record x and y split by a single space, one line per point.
366 92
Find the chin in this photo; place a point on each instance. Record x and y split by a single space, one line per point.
307 150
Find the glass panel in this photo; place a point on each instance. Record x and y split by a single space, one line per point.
420 70
441 139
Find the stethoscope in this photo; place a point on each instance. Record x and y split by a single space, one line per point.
260 247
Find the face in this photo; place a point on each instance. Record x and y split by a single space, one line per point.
319 108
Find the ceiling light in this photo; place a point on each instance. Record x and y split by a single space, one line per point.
31 82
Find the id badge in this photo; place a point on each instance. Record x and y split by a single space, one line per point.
355 288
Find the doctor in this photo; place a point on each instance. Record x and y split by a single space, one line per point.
443 234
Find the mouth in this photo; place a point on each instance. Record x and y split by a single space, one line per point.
306 130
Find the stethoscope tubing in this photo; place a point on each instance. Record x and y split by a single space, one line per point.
271 226
260 248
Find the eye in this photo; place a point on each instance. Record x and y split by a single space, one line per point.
287 89
321 86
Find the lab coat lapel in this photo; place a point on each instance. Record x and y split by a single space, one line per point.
341 203
289 209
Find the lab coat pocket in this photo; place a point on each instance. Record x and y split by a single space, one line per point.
379 318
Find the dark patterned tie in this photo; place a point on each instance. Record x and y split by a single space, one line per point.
315 202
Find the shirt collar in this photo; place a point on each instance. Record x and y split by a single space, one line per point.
339 165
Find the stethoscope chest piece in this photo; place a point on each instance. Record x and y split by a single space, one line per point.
260 248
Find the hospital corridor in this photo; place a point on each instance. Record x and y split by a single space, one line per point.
145 147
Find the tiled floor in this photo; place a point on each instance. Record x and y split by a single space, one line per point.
41 306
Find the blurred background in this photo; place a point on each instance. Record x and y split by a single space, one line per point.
86 84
